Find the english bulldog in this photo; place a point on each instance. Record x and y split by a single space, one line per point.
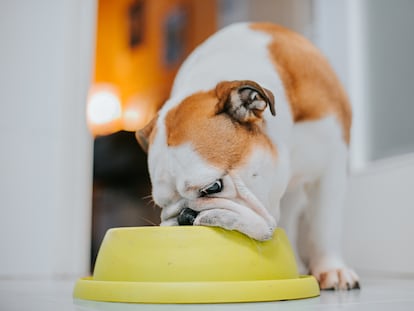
256 135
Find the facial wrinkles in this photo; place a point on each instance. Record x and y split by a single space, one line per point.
250 199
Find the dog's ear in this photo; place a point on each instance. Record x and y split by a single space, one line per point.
245 101
143 135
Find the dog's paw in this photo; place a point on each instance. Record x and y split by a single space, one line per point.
341 278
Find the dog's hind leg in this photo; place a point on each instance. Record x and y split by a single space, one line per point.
319 231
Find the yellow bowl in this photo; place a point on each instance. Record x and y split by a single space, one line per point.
191 264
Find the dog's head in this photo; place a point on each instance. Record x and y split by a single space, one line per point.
208 152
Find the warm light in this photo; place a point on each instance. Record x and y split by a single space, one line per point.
131 118
104 107
138 111
106 114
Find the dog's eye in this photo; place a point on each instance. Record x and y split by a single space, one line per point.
215 187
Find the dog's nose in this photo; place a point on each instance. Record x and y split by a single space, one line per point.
187 217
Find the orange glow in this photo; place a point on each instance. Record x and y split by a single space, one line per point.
140 45
131 118
135 116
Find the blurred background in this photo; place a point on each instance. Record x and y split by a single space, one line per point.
79 77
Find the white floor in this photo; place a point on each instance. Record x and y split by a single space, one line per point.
376 294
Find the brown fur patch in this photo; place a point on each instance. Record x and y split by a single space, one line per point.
214 135
313 90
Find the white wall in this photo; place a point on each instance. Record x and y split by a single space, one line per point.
340 32
390 80
46 151
379 231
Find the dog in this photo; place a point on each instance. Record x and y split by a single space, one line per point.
256 135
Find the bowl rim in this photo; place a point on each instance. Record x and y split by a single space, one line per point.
306 286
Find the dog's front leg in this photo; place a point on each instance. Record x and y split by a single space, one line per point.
319 235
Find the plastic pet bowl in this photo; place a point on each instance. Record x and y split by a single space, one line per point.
192 264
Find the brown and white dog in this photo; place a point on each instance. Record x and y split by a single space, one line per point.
214 148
